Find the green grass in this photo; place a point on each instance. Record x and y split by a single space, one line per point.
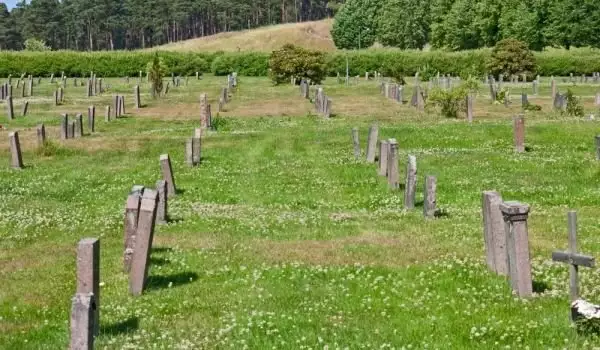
280 239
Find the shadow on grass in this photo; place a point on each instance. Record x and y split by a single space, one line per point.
540 287
441 213
175 280
161 249
123 327
159 261
179 191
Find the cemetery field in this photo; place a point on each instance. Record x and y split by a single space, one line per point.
280 238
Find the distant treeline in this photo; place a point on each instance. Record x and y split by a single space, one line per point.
132 24
124 63
467 24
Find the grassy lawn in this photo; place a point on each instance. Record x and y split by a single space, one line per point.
281 239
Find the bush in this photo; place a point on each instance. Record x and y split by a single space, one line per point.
48 149
574 106
510 57
296 62
532 107
451 102
32 44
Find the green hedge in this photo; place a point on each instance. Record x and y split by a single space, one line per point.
129 63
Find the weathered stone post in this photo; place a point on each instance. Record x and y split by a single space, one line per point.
132 210
16 159
116 105
494 234
71 130
92 118
470 108
161 211
197 146
41 135
64 127
411 183
356 143
122 105
167 174
30 87
107 114
136 94
204 111
82 322
392 166
9 108
383 157
143 242
372 143
25 108
88 273
78 132
597 147
515 216
224 95
189 151
429 199
519 133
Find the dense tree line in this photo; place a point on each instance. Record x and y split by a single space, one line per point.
467 24
129 24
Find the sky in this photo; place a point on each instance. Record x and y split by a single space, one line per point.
10 3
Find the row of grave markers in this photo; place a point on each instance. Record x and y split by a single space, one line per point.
388 166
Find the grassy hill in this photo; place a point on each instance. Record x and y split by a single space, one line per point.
314 35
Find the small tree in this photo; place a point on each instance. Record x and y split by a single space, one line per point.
156 71
33 44
511 56
296 62
451 102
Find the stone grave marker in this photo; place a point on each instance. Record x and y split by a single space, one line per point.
519 133
410 188
204 112
161 209
41 135
553 88
107 114
78 132
197 146
16 159
383 157
494 235
10 111
392 166
189 151
429 197
356 143
573 258
597 147
25 108
30 87
92 118
372 143
136 94
64 126
132 209
116 105
71 130
515 216
143 242
535 87
524 100
470 108
88 274
82 322
122 105
327 109
167 174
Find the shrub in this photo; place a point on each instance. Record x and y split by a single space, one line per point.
451 102
532 107
296 62
48 149
574 106
156 72
511 56
32 44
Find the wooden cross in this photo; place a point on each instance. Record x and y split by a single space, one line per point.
572 258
